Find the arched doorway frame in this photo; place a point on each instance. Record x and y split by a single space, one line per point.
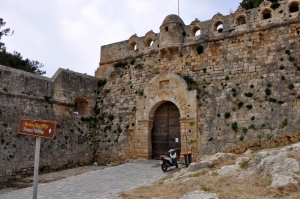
163 88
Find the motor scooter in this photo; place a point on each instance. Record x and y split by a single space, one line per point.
167 162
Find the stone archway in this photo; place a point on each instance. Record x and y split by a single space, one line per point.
166 129
168 87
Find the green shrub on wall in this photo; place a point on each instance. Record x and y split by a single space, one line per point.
101 82
291 86
275 5
234 126
249 106
268 91
227 115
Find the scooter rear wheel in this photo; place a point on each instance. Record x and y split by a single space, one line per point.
164 166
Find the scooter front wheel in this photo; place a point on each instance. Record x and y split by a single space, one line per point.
164 166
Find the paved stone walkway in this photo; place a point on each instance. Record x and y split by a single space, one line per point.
96 184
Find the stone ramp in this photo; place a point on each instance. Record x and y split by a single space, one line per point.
97 184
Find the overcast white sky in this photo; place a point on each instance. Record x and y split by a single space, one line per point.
69 33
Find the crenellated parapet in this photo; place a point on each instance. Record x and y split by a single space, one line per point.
174 34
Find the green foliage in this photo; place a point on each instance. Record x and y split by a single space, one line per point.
249 4
233 90
268 91
107 128
282 78
191 83
47 98
140 92
252 118
133 108
249 106
101 82
210 139
227 115
281 67
111 117
15 59
275 5
251 86
241 138
184 33
291 58
280 102
240 104
249 94
139 66
120 64
285 122
132 61
272 100
252 126
288 52
234 126
119 130
200 49
96 109
245 130
227 78
291 86
140 56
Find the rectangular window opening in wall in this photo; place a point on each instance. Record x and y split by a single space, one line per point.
132 124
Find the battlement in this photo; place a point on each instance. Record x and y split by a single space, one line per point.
172 39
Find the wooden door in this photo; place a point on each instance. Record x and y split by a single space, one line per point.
166 128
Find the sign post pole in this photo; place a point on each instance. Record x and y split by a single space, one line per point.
39 129
36 167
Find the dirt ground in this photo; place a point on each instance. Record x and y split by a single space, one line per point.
49 177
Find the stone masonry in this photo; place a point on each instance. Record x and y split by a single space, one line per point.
236 86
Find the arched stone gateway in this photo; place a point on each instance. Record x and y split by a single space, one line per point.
165 88
166 129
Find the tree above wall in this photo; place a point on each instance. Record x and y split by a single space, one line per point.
15 59
249 4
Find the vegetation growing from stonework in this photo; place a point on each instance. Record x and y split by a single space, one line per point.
275 5
192 84
249 4
121 64
15 59
101 82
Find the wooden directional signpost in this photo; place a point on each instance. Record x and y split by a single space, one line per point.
39 129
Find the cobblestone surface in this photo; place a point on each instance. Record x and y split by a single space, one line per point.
104 183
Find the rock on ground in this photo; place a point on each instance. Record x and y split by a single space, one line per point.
200 195
281 180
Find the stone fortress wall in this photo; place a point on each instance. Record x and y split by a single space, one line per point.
247 80
26 95
247 93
